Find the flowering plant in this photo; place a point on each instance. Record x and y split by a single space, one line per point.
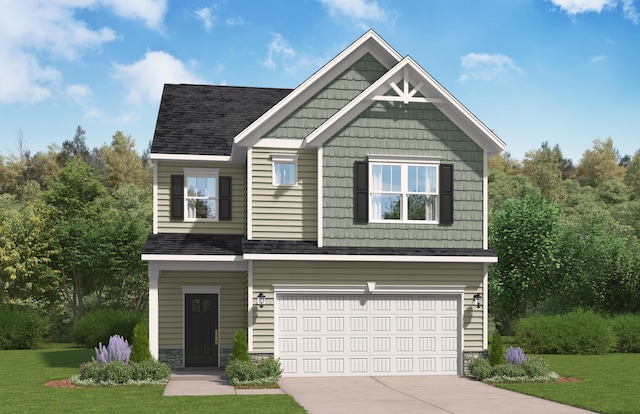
515 356
117 350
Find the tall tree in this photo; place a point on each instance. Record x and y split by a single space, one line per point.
75 148
26 250
123 164
544 168
632 177
524 235
599 164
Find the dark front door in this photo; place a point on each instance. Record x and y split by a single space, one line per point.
201 330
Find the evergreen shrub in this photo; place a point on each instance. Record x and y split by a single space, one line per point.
496 350
578 332
266 372
240 350
140 350
99 325
22 328
116 373
627 330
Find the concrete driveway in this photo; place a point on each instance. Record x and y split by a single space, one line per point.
413 394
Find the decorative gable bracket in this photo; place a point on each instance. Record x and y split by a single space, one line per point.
405 95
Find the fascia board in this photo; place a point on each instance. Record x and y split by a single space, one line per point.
189 157
431 89
190 258
370 258
369 42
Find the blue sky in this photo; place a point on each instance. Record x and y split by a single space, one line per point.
562 71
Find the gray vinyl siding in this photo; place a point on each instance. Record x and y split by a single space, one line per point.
415 129
267 273
329 100
285 212
232 304
236 225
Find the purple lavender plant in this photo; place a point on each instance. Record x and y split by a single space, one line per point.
117 350
515 356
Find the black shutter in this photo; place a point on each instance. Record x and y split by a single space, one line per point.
177 197
225 198
446 193
361 191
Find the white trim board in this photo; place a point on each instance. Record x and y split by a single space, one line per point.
371 258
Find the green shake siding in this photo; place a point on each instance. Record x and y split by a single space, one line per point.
413 129
330 100
233 304
238 199
288 212
265 274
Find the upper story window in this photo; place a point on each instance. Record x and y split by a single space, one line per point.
201 193
403 192
285 169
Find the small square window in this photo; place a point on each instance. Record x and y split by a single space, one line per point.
285 169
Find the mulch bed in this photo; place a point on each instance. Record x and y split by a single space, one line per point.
568 379
62 383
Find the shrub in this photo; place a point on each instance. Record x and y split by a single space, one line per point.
22 328
535 367
118 350
578 332
480 369
496 350
140 350
515 356
240 350
627 330
266 372
117 373
99 325
507 370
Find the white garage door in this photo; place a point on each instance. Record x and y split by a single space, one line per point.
328 334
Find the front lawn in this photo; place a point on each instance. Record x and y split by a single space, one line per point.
23 372
608 383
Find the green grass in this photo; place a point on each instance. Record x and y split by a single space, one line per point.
23 372
608 383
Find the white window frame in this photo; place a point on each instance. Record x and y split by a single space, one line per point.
204 173
404 162
288 159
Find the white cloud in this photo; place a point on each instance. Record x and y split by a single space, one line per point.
151 12
77 92
235 21
599 58
630 12
359 10
207 17
575 7
485 67
145 78
279 49
35 34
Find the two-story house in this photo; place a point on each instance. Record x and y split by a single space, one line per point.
342 224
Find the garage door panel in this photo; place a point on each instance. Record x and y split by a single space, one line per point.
367 335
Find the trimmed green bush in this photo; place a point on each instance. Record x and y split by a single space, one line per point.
627 330
266 372
117 373
535 367
578 332
101 324
22 328
240 350
480 369
140 350
496 350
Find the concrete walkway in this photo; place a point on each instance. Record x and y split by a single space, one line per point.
371 395
209 381
413 394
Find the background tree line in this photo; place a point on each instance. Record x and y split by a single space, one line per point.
73 221
567 237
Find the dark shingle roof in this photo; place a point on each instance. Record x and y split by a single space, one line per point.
197 244
222 244
307 247
204 119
